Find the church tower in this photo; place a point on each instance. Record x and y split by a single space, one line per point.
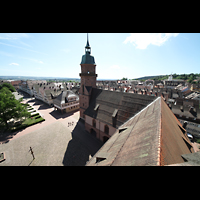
88 79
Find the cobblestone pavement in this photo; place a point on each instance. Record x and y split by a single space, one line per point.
52 145
48 114
54 142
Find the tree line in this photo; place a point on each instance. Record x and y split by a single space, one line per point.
191 78
10 108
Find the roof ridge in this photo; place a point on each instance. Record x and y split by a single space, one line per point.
160 157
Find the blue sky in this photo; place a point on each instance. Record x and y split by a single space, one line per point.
117 55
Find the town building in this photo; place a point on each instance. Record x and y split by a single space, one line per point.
27 86
109 109
195 87
46 92
66 102
194 95
55 94
88 79
172 83
103 110
151 137
136 129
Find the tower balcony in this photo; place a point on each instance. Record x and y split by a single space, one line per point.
87 74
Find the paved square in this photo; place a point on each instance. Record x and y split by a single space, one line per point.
53 145
53 142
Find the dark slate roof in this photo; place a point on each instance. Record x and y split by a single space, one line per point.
192 159
88 88
154 136
127 105
62 98
182 111
52 93
87 59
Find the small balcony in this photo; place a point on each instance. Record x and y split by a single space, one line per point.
87 74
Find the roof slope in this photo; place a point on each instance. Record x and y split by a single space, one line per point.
126 104
151 137
174 140
62 98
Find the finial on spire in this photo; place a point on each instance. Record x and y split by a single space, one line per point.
87 36
87 45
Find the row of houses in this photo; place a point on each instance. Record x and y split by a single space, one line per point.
61 96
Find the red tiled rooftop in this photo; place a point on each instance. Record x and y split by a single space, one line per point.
151 137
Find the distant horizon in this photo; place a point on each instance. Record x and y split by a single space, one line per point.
117 55
47 77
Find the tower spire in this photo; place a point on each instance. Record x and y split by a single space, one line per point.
87 47
87 41
87 44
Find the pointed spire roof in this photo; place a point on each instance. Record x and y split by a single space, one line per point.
87 44
87 58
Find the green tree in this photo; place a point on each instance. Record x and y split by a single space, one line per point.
10 107
9 86
190 80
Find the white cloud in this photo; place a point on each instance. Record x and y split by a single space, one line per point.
13 36
22 48
13 64
41 62
142 40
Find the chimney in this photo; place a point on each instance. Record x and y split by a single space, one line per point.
193 111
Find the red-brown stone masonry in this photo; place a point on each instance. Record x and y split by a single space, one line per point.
88 81
84 101
81 112
88 67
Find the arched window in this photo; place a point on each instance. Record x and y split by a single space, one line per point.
94 123
106 129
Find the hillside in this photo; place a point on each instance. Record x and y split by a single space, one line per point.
191 78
